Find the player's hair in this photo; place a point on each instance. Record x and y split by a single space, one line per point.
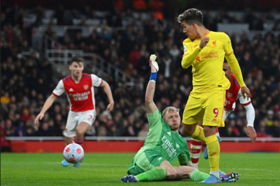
167 109
76 59
190 16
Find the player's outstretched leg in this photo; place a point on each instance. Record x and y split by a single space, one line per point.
211 179
129 178
206 150
230 177
64 163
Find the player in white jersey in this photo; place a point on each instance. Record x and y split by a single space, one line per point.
79 88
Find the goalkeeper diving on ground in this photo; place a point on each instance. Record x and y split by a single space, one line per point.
163 144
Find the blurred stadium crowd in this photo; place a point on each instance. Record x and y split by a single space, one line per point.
27 81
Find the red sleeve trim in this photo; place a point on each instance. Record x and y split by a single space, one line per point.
55 95
101 83
247 103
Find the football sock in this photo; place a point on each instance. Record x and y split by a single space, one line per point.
217 132
198 134
213 154
79 141
152 175
195 152
198 176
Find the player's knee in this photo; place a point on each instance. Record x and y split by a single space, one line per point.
187 130
79 131
209 130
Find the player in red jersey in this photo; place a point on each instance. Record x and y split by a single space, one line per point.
232 94
79 88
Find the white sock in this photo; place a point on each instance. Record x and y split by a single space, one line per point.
195 165
215 173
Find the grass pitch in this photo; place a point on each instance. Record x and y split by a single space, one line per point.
44 169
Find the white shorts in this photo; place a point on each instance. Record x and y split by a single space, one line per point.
75 118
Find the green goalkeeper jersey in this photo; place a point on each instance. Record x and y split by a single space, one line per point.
161 144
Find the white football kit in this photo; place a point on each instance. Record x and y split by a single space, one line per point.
81 99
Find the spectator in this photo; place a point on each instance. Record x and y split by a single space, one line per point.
25 77
261 133
144 131
30 131
44 130
102 131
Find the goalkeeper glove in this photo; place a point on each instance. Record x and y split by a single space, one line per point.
154 67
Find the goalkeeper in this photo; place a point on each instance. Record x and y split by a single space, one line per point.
163 145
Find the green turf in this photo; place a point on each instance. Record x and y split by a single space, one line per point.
44 169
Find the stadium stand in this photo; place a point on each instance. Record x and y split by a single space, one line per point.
37 43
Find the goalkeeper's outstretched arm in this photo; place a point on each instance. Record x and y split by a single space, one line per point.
150 89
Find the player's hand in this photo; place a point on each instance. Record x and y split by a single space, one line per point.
203 42
38 117
251 133
246 92
110 107
201 33
153 64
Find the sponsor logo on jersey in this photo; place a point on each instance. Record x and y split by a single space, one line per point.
168 146
80 96
214 120
85 87
229 94
227 102
197 59
71 90
178 146
169 133
210 55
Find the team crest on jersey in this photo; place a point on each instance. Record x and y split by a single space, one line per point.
229 94
215 43
85 87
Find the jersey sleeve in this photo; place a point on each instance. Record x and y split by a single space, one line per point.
59 89
154 118
96 81
243 101
232 61
227 45
189 55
